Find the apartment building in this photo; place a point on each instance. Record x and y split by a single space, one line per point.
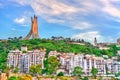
68 61
24 60
115 67
14 58
86 62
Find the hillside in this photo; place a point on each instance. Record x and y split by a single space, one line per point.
58 45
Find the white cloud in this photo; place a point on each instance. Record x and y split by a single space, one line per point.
55 11
72 14
23 21
89 36
111 8
19 20
82 25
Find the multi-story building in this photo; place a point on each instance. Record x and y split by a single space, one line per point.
109 68
89 63
85 62
116 67
24 60
53 53
14 58
76 60
100 64
68 61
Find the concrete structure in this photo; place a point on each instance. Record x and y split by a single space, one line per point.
24 48
53 53
118 41
95 41
118 52
34 29
68 62
116 67
103 45
24 60
91 61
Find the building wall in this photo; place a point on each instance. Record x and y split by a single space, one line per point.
24 61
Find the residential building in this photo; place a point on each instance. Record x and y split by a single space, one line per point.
116 67
24 60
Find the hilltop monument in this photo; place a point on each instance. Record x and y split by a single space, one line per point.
34 29
95 41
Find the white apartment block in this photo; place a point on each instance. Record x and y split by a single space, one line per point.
69 61
24 60
53 53
90 61
14 58
116 67
109 66
85 62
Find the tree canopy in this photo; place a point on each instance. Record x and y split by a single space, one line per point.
94 72
64 45
77 71
36 70
51 65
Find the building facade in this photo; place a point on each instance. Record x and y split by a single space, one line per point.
24 60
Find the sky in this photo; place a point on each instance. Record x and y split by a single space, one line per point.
79 19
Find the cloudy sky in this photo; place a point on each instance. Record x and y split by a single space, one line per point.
68 18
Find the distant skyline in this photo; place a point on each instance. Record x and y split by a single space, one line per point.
84 19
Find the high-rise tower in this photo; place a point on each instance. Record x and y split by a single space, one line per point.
34 29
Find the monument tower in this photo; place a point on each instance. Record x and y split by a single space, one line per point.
34 29
95 41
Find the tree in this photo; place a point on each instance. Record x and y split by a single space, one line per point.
29 76
12 67
77 72
35 70
85 78
13 78
60 74
3 59
118 57
16 70
117 74
94 72
26 77
7 70
52 65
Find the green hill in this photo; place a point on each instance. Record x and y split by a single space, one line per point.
58 45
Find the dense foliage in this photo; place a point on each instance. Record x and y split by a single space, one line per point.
77 71
35 70
60 74
23 77
65 45
94 72
51 65
13 78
